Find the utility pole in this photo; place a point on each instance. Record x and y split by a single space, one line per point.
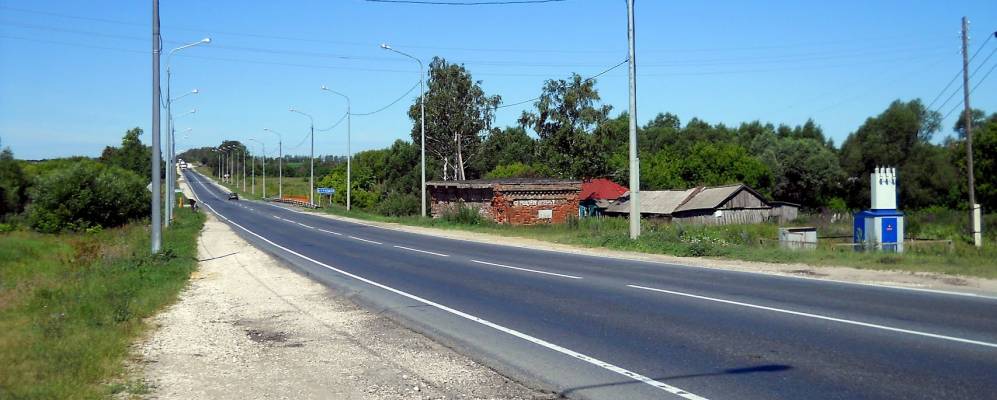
974 209
634 161
156 239
243 169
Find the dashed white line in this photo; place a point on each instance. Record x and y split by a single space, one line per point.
526 269
422 251
334 233
563 350
364 240
306 226
822 317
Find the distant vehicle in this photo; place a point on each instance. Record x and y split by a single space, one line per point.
233 196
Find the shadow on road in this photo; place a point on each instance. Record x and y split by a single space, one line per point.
731 371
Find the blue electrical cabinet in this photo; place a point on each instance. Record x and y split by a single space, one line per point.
879 230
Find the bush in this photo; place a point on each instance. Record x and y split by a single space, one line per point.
84 195
463 214
397 204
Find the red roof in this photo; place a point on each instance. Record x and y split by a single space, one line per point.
601 188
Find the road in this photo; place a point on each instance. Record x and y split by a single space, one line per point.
605 328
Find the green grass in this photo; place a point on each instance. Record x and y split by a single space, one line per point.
741 242
293 186
70 304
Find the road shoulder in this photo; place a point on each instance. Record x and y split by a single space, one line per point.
250 327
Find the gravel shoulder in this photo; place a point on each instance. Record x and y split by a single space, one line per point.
250 327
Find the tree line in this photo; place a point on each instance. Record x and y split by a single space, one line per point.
570 133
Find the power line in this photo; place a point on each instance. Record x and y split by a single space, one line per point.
392 103
585 81
973 57
341 119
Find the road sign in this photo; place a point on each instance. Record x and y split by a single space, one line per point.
325 190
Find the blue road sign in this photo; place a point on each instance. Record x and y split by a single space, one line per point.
325 190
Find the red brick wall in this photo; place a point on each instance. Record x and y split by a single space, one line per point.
519 208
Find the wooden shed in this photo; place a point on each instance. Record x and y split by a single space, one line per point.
721 205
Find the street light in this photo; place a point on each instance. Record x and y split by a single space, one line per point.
422 122
311 178
170 139
280 162
349 154
264 153
634 161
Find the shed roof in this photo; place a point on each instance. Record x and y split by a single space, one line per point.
601 188
509 183
671 201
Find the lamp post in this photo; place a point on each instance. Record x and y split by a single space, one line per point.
311 176
349 153
263 152
155 235
280 162
422 122
634 160
171 174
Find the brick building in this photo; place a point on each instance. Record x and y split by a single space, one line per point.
509 201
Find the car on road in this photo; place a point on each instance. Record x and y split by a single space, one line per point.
233 196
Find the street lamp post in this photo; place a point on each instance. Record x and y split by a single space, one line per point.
422 122
280 162
311 176
634 161
349 153
170 139
263 152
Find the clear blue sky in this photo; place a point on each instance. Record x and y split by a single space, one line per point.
75 75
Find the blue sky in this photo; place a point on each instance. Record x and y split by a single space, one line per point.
75 75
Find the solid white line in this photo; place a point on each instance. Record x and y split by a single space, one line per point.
823 317
563 350
364 240
526 269
422 251
334 233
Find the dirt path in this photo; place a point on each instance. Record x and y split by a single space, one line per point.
249 327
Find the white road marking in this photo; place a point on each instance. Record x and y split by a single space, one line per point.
526 269
822 317
563 350
334 233
306 226
422 251
364 240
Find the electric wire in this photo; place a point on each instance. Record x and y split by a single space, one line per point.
584 81
466 3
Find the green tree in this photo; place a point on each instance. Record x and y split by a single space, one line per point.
900 136
132 155
87 194
504 147
13 184
457 113
808 173
566 114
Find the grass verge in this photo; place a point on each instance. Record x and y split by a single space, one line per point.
71 304
754 242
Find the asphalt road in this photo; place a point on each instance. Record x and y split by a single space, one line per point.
604 328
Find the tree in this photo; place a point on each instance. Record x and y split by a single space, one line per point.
132 155
900 136
13 184
566 114
457 113
808 173
87 194
504 147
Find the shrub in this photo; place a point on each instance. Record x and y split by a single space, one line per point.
85 195
463 214
397 204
